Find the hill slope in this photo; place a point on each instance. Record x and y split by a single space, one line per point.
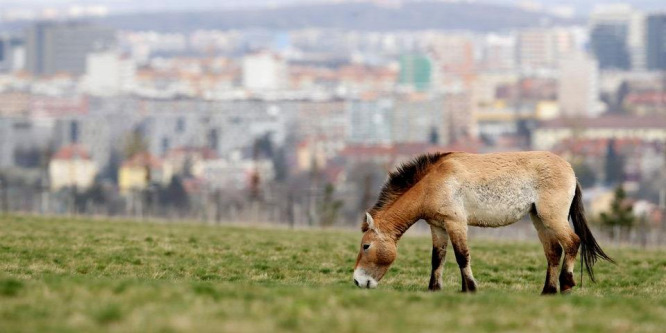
354 16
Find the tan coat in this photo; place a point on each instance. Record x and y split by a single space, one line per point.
454 190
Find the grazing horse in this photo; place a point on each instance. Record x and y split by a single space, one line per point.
454 190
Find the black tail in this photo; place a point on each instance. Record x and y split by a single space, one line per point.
590 249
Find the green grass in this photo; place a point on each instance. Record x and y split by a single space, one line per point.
59 274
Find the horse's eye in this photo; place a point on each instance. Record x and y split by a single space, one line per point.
366 246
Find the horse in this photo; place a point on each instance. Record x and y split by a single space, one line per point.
454 190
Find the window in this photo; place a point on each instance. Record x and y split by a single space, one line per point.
74 132
165 145
180 125
212 139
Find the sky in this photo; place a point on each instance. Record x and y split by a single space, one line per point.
581 6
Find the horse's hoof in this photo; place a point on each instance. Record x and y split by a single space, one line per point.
566 291
549 291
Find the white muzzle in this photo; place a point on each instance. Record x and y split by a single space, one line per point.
363 280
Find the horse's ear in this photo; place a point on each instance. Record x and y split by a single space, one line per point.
369 221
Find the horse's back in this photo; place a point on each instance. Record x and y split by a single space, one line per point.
500 188
541 168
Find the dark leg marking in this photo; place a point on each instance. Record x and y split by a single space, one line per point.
566 281
551 248
440 241
436 262
553 255
566 275
462 258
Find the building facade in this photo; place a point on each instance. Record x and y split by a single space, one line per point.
656 42
617 37
416 72
12 53
578 86
71 166
649 129
264 71
53 47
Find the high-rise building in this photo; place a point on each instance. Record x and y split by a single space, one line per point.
656 41
636 41
109 73
416 72
458 115
540 48
498 53
617 37
578 86
452 57
54 47
419 118
12 53
369 120
264 71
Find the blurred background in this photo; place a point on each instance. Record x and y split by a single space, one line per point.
292 112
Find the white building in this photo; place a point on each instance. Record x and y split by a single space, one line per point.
578 86
499 52
541 48
264 71
637 41
235 173
71 166
649 129
109 73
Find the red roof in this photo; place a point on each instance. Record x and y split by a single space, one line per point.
73 151
144 159
646 98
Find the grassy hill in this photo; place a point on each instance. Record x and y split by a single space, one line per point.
59 274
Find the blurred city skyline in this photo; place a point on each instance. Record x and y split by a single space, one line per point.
294 114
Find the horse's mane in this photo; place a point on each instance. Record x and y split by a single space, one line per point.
403 178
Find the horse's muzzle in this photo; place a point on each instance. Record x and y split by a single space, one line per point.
363 280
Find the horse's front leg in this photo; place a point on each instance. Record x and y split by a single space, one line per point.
440 240
458 233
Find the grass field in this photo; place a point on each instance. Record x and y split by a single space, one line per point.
58 274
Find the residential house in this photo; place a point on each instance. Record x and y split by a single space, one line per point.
141 170
71 166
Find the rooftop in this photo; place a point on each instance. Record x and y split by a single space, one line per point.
144 159
70 152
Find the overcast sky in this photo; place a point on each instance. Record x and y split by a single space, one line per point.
582 6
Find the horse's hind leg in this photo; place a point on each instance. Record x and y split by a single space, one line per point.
570 242
553 251
555 221
458 234
440 240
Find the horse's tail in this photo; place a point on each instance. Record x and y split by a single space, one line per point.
590 249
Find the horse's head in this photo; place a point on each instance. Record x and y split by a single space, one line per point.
376 255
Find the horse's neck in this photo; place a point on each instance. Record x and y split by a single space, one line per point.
399 216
